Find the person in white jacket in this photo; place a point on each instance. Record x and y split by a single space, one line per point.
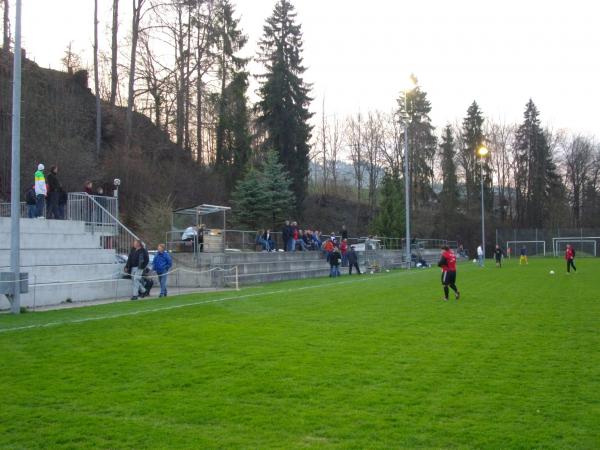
41 191
480 255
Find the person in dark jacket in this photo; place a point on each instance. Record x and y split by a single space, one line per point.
344 232
54 191
161 264
31 202
136 264
334 262
352 257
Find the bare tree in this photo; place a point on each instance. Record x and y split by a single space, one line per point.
500 138
578 153
71 61
114 77
6 29
137 7
336 142
357 151
97 82
391 148
373 142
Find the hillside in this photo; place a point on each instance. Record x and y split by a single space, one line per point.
58 127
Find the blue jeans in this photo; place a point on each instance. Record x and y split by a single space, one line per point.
334 271
480 259
162 279
39 205
292 245
31 209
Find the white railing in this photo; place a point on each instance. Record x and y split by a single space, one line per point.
5 210
96 212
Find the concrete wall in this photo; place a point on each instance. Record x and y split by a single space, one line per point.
64 263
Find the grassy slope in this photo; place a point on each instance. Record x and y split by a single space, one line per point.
377 363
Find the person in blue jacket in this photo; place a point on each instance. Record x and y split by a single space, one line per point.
162 264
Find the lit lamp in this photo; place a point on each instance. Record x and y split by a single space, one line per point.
482 152
410 85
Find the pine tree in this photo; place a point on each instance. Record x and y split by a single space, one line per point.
283 113
390 218
231 101
263 198
473 138
449 194
536 176
421 143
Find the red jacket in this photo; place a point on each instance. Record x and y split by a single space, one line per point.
569 254
344 247
448 261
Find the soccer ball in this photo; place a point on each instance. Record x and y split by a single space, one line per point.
552 272
474 261
388 270
372 272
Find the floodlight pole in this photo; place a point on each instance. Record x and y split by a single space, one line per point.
482 214
406 184
15 186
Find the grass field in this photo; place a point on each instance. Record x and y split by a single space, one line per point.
376 361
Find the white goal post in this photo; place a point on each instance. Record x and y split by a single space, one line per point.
518 244
559 244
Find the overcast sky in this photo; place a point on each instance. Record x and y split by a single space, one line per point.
358 53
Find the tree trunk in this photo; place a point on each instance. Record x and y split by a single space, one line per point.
6 30
114 80
97 82
135 30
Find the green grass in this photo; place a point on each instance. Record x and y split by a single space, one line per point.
371 362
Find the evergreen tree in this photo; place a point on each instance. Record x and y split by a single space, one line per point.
283 113
234 140
390 218
536 177
263 198
472 139
421 143
449 194
231 102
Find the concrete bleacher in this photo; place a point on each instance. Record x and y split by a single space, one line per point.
63 261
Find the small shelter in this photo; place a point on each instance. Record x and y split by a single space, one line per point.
214 219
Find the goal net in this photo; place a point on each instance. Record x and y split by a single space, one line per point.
584 247
533 248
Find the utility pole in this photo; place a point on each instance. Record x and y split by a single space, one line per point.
15 186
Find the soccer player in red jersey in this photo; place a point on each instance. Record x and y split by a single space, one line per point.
448 265
570 257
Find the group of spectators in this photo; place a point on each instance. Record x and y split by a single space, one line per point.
47 191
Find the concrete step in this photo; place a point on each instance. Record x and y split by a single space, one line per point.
54 257
56 293
254 257
72 272
52 240
44 226
278 266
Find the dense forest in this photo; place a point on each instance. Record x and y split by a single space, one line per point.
178 127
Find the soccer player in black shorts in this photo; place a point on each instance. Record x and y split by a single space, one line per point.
448 265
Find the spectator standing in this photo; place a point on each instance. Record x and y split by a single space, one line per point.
201 230
344 251
334 262
285 235
328 248
87 188
294 235
353 260
30 201
270 245
480 255
344 233
41 191
162 263
54 191
136 264
62 203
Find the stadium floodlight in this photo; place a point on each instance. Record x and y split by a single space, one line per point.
409 87
482 152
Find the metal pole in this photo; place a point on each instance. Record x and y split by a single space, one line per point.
406 185
482 215
15 206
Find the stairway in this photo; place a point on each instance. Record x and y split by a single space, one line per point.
64 263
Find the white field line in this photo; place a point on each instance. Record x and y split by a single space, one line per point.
186 305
